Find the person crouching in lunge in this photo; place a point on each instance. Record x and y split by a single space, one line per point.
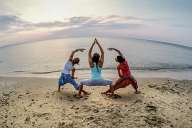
125 77
68 72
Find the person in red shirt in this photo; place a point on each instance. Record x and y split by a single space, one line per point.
125 77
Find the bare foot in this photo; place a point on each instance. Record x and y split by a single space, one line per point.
78 96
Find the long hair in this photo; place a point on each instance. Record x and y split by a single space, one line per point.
95 58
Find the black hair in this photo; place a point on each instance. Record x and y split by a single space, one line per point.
120 59
77 60
95 59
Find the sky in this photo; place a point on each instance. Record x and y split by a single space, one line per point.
32 20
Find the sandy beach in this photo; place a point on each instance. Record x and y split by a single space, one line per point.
35 102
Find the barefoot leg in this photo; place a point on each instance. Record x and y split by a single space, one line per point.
85 92
108 91
80 90
134 84
59 88
118 84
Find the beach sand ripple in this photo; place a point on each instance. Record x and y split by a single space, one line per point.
35 102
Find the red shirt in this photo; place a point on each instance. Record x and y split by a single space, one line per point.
123 68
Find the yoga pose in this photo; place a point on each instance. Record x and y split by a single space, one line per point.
125 77
68 72
95 63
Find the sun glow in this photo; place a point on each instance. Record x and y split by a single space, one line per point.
56 10
48 11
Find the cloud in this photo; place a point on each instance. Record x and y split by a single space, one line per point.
14 29
110 22
99 26
6 21
12 24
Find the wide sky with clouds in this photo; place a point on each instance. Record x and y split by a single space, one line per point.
32 20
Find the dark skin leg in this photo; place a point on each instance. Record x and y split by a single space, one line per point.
59 88
116 87
111 89
86 93
81 90
121 84
134 84
108 91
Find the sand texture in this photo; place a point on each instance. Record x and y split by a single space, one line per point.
35 102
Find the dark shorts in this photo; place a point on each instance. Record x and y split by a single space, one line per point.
67 78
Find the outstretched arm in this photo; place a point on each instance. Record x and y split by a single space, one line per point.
90 54
101 61
73 52
110 49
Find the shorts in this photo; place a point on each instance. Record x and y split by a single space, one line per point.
67 78
99 82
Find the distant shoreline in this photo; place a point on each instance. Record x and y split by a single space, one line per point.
132 38
109 74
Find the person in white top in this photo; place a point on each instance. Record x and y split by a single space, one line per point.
68 72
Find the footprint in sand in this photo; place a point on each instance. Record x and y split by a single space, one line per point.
85 97
151 108
41 114
19 96
6 94
114 96
4 100
27 92
154 121
41 105
27 120
74 107
151 85
86 108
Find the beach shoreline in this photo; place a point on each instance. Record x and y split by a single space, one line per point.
110 74
35 102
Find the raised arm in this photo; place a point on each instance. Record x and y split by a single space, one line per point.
116 51
101 61
90 55
73 52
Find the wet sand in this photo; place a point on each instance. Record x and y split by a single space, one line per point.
35 102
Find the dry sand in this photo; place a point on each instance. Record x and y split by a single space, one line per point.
35 102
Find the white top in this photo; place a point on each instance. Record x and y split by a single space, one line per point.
67 67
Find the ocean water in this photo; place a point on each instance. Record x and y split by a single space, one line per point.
146 58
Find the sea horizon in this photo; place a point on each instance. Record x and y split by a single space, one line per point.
45 59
